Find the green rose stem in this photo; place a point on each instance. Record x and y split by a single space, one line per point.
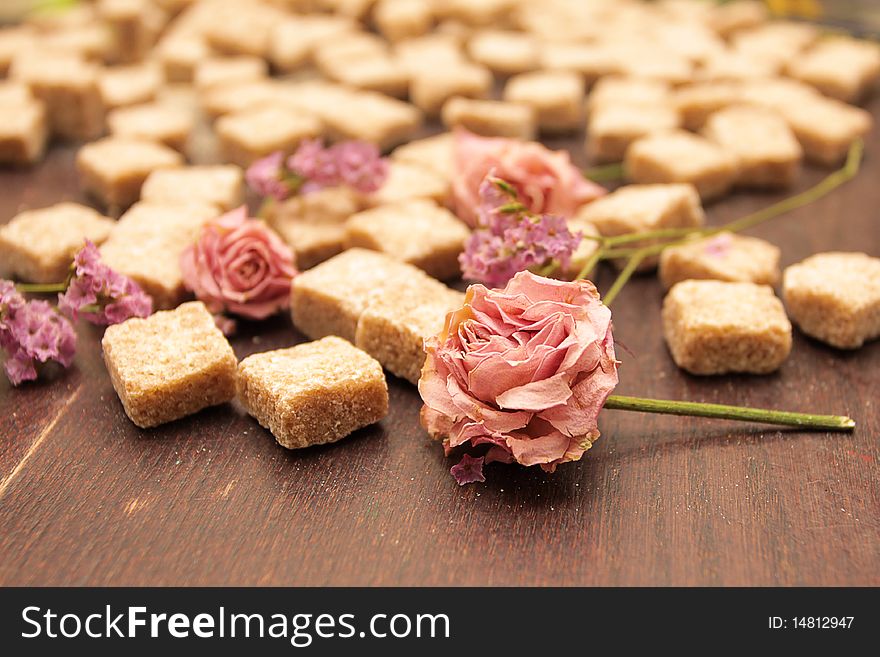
605 173
723 412
606 251
42 288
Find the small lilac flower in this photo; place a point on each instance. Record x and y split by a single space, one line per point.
316 164
101 295
468 470
361 165
10 301
510 239
266 177
35 333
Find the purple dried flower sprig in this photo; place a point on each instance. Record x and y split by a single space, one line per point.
509 239
355 164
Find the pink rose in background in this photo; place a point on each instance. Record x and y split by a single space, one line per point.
525 370
546 181
239 265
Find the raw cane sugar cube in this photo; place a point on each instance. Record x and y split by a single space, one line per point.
68 85
294 40
491 118
234 97
113 169
179 54
628 91
613 127
505 52
159 122
402 19
313 393
169 365
407 181
146 243
431 88
393 329
249 135
129 85
643 61
768 154
826 128
418 232
682 157
135 24
842 68
639 208
738 15
239 28
23 130
372 117
696 102
556 96
835 297
14 40
593 62
717 327
223 70
221 185
313 225
779 41
431 52
475 12
38 245
435 153
731 65
370 70
722 257
329 298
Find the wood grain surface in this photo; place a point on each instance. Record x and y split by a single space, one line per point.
86 498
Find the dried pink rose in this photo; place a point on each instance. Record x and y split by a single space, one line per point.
101 295
239 265
546 181
32 332
525 370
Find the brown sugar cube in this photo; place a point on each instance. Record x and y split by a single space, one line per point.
372 117
505 52
221 185
592 61
431 88
556 96
38 245
732 65
313 393
113 169
835 298
313 224
294 39
694 41
628 91
402 19
249 135
695 102
778 41
14 40
159 122
169 365
68 86
407 181
135 24
393 329
23 130
234 97
716 327
242 29
842 68
129 85
723 257
730 17
491 118
826 128
223 70
475 12
679 156
383 74
642 61
639 208
146 244
429 52
418 232
768 154
329 298
180 53
612 128
435 153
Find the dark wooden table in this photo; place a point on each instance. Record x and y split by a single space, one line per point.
86 498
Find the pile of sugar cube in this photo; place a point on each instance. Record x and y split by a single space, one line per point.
171 99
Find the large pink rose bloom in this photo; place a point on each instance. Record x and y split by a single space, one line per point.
239 265
546 181
525 369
